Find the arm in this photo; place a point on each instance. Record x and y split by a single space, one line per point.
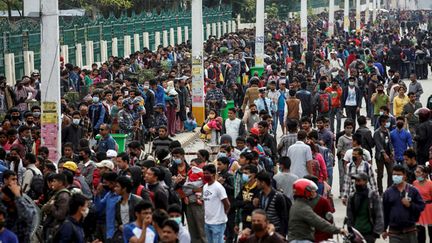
223 131
409 140
379 217
226 204
66 232
242 131
379 147
61 206
28 175
386 210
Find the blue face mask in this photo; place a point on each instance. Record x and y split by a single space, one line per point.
397 179
245 177
95 99
177 161
221 154
420 178
178 220
387 125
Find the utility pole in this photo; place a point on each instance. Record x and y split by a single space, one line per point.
198 108
303 23
374 11
259 33
50 74
346 16
331 19
358 17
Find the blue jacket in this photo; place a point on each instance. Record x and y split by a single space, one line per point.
71 231
106 144
97 114
396 215
401 140
108 203
160 95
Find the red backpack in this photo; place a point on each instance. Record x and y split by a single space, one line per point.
324 102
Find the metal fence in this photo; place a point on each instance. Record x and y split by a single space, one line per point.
24 35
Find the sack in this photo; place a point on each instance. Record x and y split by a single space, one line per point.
324 102
36 186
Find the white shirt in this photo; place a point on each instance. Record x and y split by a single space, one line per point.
299 153
124 213
28 176
274 96
351 99
232 128
348 155
213 207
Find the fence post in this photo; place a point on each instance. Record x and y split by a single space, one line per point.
179 35
64 52
137 45
104 50
172 37
78 54
9 59
157 40
146 40
186 30
28 62
114 48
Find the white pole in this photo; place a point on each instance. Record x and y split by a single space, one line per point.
346 16
374 10
367 12
197 62
303 23
358 20
259 34
331 18
50 74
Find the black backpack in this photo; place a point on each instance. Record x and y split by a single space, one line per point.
36 186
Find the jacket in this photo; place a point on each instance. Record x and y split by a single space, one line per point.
107 205
70 231
303 222
251 95
132 202
383 143
359 96
73 134
376 216
367 140
274 205
158 195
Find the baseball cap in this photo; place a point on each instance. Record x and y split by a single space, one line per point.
70 165
111 153
105 163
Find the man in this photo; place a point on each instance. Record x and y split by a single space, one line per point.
301 156
283 91
163 141
401 139
5 234
367 140
122 161
267 141
175 213
335 92
215 99
423 135
137 154
106 141
305 98
57 207
261 228
251 118
415 87
19 211
133 232
97 113
378 100
170 231
251 94
410 165
7 96
322 100
302 220
31 172
24 141
408 112
273 203
233 126
324 135
358 165
402 206
391 122
384 152
158 91
288 139
86 166
216 206
351 99
124 213
285 179
72 229
74 132
78 179
344 143
263 103
274 95
158 194
356 143
126 119
364 209
107 203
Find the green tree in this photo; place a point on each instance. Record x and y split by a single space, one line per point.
10 5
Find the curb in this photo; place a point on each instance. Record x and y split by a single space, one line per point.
190 138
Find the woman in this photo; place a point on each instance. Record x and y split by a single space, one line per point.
400 101
424 186
319 167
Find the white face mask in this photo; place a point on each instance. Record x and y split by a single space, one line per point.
351 83
76 121
85 212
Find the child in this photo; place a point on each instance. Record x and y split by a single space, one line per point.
213 123
194 181
190 123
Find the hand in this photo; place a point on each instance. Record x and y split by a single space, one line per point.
99 189
386 158
406 202
344 201
343 232
236 229
358 109
385 235
16 190
246 233
147 221
271 229
255 202
221 180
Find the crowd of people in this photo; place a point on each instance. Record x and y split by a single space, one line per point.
265 184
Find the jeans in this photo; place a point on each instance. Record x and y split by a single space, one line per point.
215 232
380 173
335 112
275 117
330 176
341 168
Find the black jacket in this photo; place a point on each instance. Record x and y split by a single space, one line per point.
345 96
367 140
133 201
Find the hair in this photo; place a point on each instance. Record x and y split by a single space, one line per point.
210 168
204 153
358 138
241 139
124 156
251 168
400 118
159 216
321 119
399 168
301 135
359 151
263 124
361 120
68 144
424 169
385 108
349 122
174 208
174 144
76 201
156 171
23 128
59 177
143 205
261 212
224 160
86 150
7 174
134 145
163 127
30 157
171 224
247 155
125 182
110 176
382 119
305 119
410 153
179 151
265 177
285 162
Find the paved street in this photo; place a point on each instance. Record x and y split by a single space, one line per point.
340 208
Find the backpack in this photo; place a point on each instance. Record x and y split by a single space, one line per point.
324 102
36 186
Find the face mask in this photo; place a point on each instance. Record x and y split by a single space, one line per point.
387 125
360 188
381 113
15 118
30 123
106 187
146 87
400 125
36 114
348 130
351 83
207 178
380 91
80 157
177 161
131 107
85 212
254 112
76 121
354 159
245 177
95 99
177 220
221 154
420 178
257 227
397 179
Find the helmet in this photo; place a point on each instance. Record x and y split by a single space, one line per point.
304 188
423 114
126 102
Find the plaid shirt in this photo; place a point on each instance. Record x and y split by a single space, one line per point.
351 170
285 142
